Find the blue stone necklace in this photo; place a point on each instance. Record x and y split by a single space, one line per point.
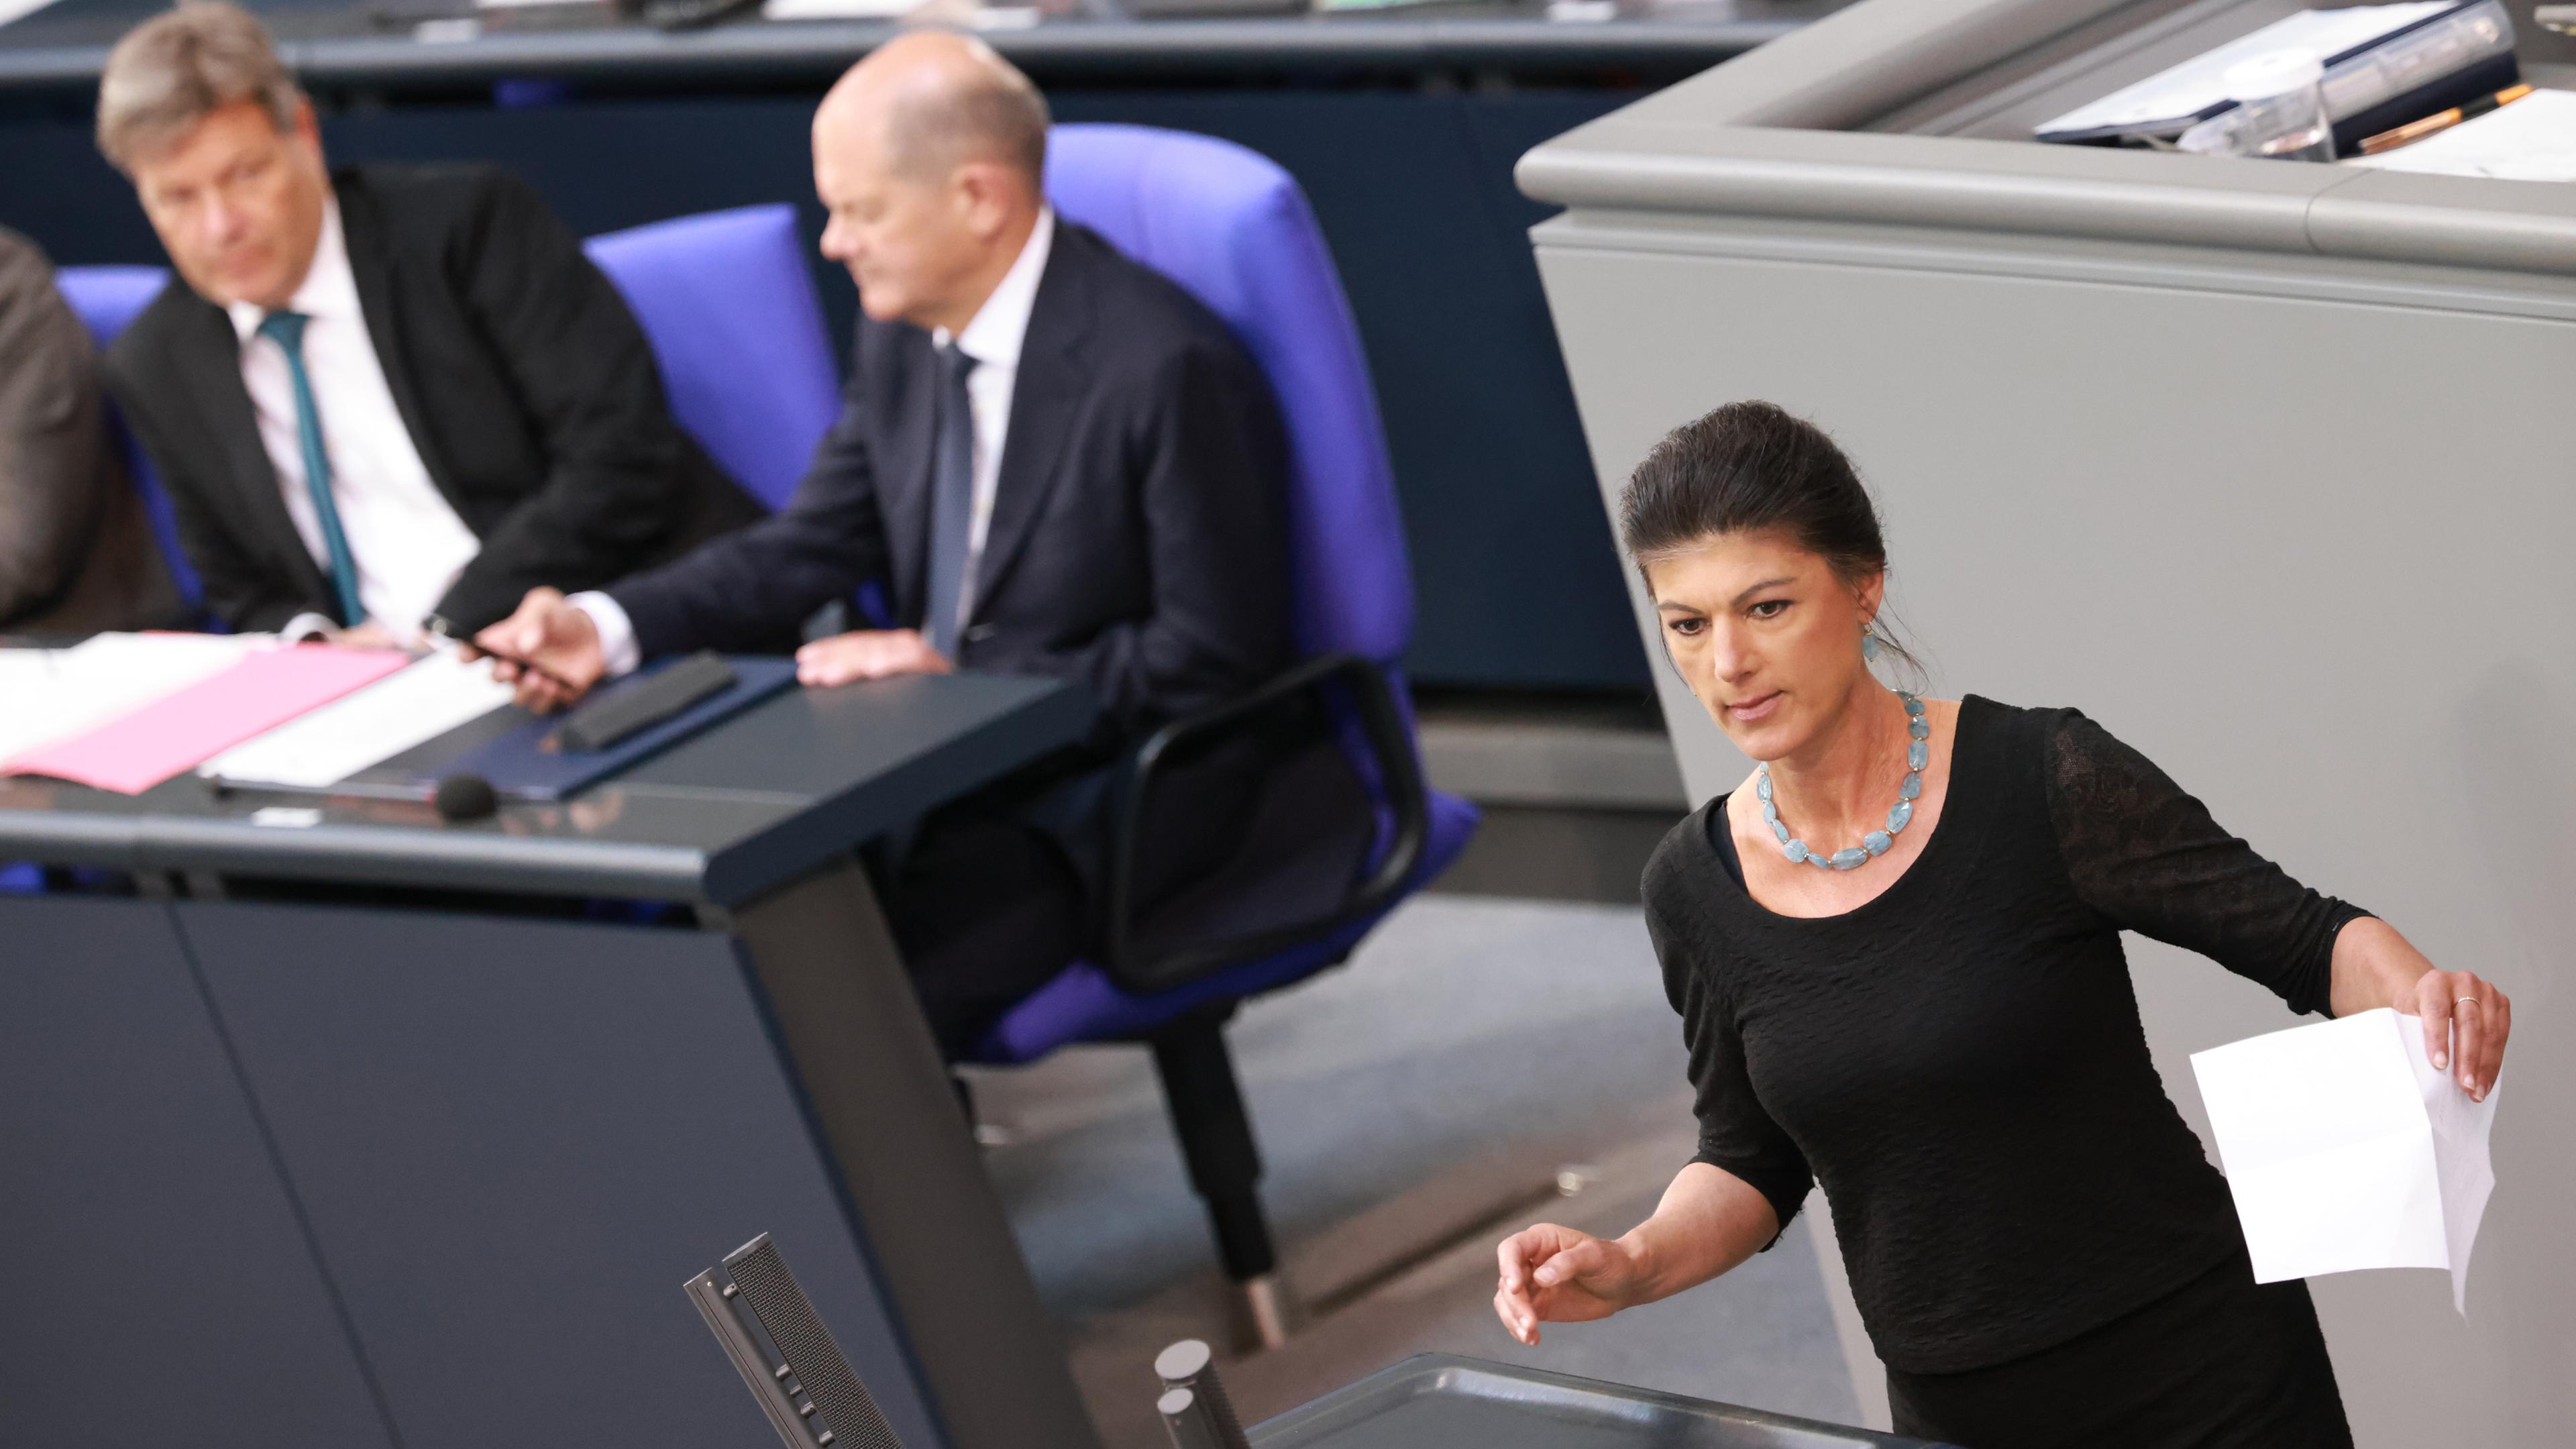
1918 753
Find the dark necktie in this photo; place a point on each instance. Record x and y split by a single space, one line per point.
286 329
952 505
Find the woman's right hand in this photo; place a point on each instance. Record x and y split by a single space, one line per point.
1556 1274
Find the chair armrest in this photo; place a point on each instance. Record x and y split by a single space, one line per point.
1390 746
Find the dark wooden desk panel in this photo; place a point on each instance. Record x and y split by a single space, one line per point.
161 1287
515 1140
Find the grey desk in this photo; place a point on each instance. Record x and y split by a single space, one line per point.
2263 464
387 1173
1442 1401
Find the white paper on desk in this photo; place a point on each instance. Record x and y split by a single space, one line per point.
2532 139
48 695
410 707
2345 1149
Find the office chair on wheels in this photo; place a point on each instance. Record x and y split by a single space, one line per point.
1347 828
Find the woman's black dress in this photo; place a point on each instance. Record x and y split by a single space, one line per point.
2039 1249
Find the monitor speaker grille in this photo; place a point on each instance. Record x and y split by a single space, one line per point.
840 1401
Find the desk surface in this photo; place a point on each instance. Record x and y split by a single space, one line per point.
372 42
719 819
1438 1399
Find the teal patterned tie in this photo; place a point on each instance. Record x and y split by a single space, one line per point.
286 329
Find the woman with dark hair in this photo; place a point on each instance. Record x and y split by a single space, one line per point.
1896 955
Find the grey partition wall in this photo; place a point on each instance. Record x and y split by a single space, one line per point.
2265 465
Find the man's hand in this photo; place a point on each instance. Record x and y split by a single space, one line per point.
369 635
549 649
867 654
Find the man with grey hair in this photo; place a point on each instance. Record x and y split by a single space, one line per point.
380 396
1054 460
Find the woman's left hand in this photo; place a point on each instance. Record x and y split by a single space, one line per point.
2466 1021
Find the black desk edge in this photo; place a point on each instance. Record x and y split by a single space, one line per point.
821 49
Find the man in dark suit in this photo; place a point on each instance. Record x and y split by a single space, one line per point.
76 548
1054 460
384 395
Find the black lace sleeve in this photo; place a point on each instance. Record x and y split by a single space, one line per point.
1736 1135
2149 858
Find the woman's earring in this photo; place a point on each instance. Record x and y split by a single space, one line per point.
1868 644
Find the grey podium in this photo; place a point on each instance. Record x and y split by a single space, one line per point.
424 1164
2265 465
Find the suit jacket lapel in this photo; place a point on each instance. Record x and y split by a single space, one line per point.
209 366
1045 397
377 270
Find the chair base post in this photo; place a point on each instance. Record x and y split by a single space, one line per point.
1206 1104
1269 1312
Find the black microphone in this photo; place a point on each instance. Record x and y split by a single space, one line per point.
465 797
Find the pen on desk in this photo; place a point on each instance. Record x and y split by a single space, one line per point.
440 631
2390 140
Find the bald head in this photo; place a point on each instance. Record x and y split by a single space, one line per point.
930 160
935 100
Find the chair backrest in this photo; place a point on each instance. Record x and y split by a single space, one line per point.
1234 229
730 310
107 300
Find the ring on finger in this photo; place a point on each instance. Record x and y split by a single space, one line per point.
2457 1000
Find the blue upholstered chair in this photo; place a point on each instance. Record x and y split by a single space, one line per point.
107 300
729 307
1234 229
726 303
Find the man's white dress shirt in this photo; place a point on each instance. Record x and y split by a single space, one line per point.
993 338
408 544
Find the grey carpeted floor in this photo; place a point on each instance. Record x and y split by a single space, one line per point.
1470 1038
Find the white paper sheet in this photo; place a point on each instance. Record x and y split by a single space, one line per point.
373 725
2462 1163
2532 139
2345 1149
52 694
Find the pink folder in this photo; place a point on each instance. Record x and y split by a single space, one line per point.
180 731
